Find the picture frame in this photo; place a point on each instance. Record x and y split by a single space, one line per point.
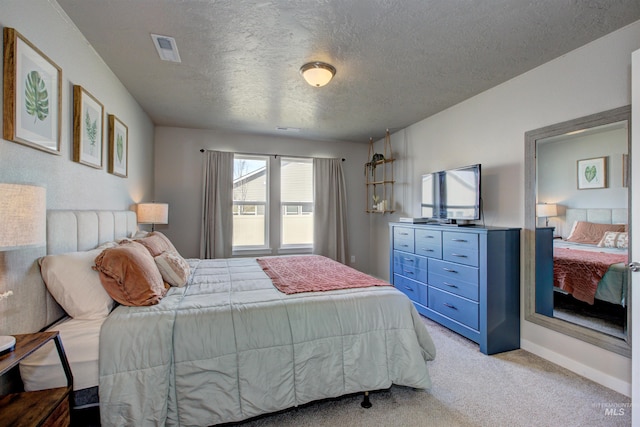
592 173
32 101
625 170
88 128
118 147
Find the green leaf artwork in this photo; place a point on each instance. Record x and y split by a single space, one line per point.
590 173
36 97
92 132
119 148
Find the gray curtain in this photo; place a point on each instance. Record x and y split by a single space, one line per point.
216 239
330 210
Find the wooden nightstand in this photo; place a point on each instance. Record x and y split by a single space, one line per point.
36 408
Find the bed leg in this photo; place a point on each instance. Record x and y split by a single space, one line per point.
366 403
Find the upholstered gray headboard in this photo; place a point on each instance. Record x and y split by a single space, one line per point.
31 306
596 215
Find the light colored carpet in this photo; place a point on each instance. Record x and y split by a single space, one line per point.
514 388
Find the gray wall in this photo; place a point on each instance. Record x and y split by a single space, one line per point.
557 173
489 129
69 185
178 179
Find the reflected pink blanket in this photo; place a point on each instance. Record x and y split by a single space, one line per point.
311 273
579 272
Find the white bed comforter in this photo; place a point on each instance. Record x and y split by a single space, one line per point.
229 346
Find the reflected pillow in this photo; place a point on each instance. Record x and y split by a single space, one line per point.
614 239
591 233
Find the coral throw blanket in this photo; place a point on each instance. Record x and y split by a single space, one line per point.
579 272
311 273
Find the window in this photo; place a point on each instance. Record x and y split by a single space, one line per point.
296 199
250 189
272 203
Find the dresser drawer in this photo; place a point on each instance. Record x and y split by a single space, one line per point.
455 286
403 239
460 247
428 243
451 272
454 307
409 265
415 291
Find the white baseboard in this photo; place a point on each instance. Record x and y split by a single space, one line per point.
599 377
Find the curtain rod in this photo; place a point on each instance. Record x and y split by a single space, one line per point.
202 150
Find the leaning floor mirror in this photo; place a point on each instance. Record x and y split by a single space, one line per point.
577 200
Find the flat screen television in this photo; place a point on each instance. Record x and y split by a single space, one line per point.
452 195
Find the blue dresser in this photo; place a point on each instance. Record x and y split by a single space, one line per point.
465 278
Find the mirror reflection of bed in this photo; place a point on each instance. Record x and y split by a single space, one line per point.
581 253
584 270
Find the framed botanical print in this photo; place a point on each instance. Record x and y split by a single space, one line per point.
88 128
592 173
32 101
118 147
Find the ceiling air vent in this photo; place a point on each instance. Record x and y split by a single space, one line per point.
166 47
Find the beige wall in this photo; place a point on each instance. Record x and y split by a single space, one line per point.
69 185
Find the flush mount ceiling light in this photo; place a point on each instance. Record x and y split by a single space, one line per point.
317 73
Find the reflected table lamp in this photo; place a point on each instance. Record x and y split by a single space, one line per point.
153 213
22 224
546 210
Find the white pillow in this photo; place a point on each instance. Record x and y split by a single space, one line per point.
612 239
75 285
173 268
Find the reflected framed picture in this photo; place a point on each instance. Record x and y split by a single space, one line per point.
592 173
32 99
88 128
118 147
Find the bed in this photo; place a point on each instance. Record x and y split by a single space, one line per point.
228 345
589 261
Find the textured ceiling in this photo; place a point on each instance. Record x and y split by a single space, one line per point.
397 61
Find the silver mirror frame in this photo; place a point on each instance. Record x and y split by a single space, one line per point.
591 336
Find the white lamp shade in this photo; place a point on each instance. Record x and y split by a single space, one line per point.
23 212
545 210
317 74
153 213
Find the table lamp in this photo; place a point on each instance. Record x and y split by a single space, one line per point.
22 224
545 210
153 213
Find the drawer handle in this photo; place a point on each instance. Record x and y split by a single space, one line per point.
459 255
408 288
427 250
453 307
430 237
408 259
404 234
459 240
408 272
449 270
404 246
450 285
